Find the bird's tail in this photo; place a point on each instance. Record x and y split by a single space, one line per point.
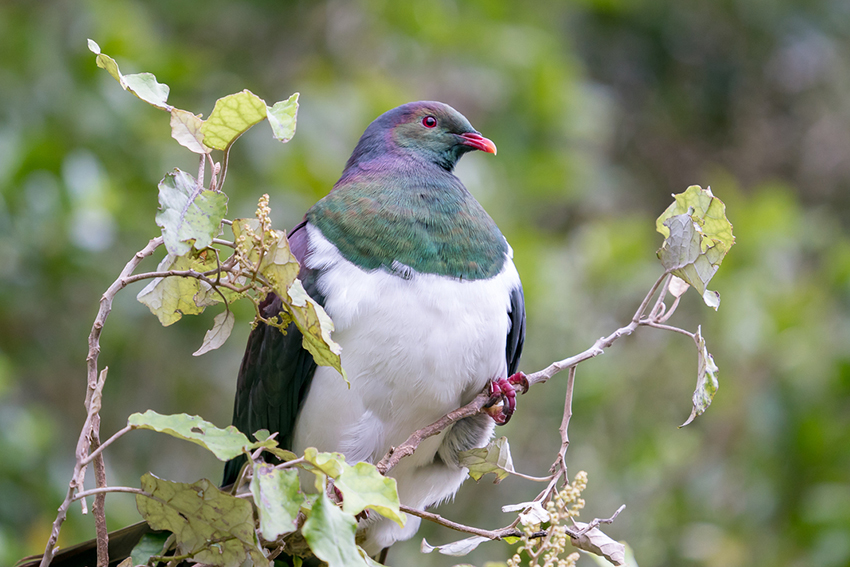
121 544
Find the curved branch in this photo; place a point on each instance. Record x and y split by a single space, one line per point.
94 387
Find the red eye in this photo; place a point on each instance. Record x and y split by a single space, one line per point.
429 121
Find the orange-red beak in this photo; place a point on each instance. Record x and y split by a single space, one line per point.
479 142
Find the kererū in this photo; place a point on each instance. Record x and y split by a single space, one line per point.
426 303
427 306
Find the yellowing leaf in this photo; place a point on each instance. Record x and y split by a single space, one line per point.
231 117
282 117
315 326
494 458
707 382
697 237
143 85
329 464
278 498
225 444
169 298
363 487
217 528
186 129
188 216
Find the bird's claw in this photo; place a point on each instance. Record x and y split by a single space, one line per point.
504 390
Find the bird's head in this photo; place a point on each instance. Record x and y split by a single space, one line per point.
428 130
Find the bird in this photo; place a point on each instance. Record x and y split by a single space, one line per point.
427 306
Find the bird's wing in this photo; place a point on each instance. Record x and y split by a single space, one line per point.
276 370
516 333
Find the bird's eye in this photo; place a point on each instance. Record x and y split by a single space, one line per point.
429 121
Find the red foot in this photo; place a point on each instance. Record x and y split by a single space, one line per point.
504 390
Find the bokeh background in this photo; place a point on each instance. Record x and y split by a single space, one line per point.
600 109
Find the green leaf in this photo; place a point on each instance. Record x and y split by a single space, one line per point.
143 85
456 548
188 215
186 129
169 298
330 533
315 326
494 458
707 382
148 546
231 117
362 487
697 237
329 464
278 498
217 528
282 117
215 337
225 444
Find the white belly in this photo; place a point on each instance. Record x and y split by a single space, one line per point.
413 349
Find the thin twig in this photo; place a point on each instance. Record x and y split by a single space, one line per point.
437 519
118 434
107 489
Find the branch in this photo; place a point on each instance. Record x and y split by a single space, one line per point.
396 454
94 388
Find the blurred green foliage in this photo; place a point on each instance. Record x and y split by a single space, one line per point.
601 109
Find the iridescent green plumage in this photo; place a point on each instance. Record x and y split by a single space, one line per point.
398 205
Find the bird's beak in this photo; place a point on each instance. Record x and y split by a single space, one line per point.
478 142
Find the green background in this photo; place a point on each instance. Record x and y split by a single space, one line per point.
600 109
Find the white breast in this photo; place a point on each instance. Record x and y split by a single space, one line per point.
414 349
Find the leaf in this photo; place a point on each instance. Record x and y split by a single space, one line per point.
330 533
282 117
532 512
231 117
697 237
707 382
362 487
629 558
169 298
279 265
217 336
143 85
149 545
678 286
329 464
225 444
186 129
596 542
315 326
278 498
217 528
187 215
456 548
494 458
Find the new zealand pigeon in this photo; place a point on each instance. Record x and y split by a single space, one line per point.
426 303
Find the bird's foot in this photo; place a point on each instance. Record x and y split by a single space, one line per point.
504 390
